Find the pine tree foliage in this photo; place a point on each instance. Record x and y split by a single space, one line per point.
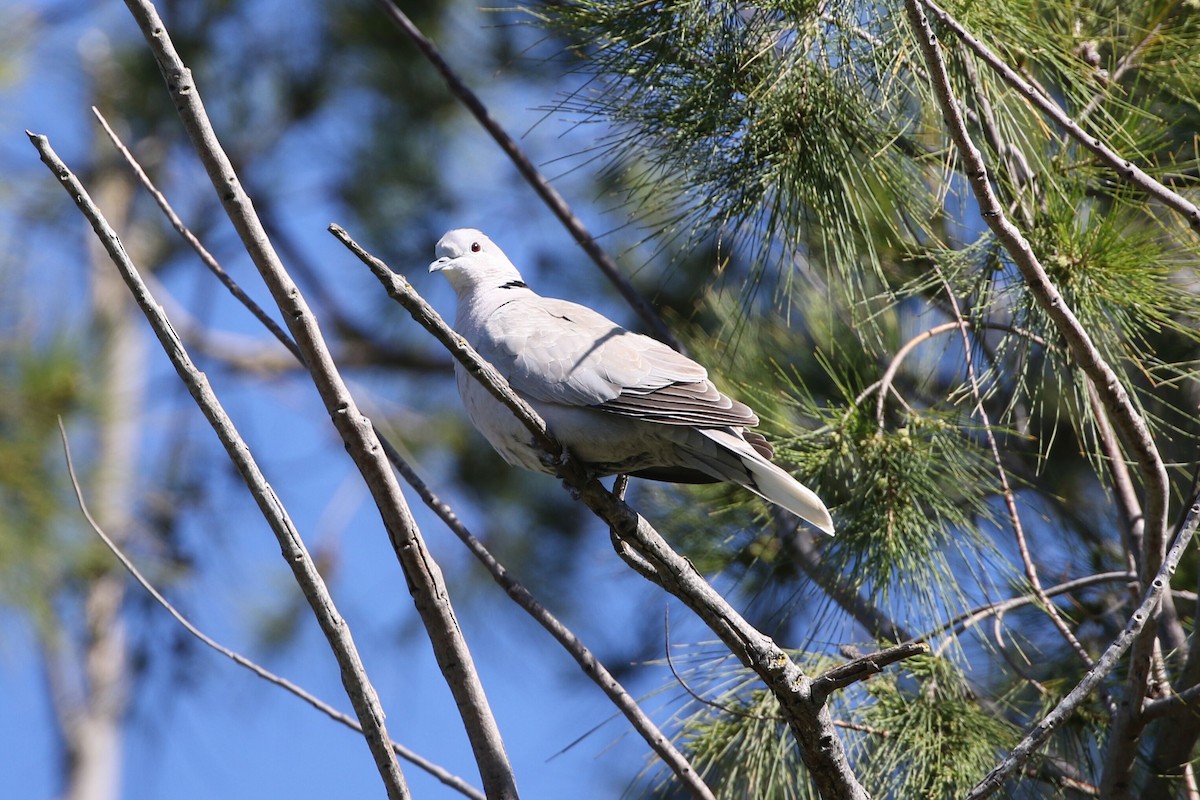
911 374
931 736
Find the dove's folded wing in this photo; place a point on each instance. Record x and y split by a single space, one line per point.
556 351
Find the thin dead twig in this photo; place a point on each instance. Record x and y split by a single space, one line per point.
440 773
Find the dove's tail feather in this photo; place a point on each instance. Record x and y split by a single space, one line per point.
783 490
769 481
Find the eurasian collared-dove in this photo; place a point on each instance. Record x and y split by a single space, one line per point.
620 401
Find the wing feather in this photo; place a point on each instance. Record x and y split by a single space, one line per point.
556 351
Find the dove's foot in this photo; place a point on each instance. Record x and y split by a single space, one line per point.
553 463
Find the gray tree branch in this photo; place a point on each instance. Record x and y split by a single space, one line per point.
860 669
421 572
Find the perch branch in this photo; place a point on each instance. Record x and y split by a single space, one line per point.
810 722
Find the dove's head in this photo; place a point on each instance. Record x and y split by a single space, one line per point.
472 262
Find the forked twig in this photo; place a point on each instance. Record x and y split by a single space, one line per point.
860 669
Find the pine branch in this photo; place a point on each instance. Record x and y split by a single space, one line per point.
532 175
362 694
1129 424
1125 169
440 773
423 576
809 719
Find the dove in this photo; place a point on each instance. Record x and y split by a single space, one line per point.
621 402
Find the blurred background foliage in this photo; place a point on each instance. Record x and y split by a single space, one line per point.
776 179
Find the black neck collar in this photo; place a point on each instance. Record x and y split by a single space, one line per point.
518 284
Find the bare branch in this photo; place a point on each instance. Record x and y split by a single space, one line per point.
424 578
820 747
355 347
206 257
442 774
1187 700
860 669
885 383
358 687
532 176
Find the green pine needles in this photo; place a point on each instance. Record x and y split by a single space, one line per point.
903 363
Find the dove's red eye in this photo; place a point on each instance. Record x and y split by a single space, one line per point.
476 247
